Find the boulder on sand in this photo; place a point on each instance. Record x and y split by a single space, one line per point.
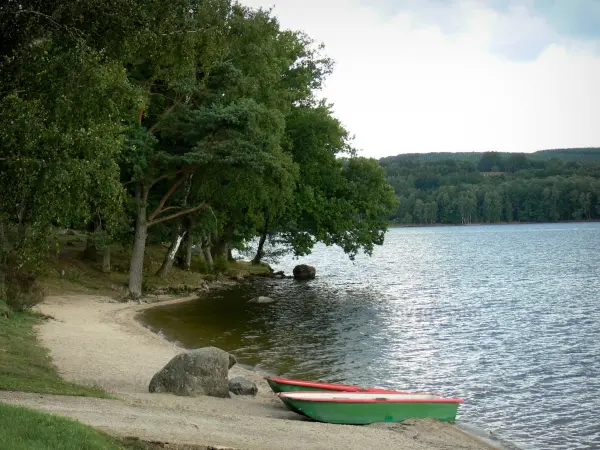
261 300
304 272
202 371
242 386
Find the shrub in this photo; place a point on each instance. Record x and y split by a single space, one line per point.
21 290
220 265
4 309
200 266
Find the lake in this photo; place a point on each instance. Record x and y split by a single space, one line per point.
505 316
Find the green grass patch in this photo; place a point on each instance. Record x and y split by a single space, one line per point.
26 366
25 429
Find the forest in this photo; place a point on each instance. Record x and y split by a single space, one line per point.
492 187
195 124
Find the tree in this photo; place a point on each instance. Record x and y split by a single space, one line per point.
60 135
491 162
181 42
344 202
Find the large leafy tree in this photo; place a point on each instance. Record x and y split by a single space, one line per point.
62 107
203 111
339 199
235 133
214 120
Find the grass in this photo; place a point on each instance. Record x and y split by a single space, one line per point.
68 272
25 429
26 366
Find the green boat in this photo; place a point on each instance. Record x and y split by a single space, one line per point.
361 408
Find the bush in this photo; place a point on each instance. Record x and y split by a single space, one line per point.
220 265
21 290
200 266
4 309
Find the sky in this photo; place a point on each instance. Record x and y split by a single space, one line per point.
416 76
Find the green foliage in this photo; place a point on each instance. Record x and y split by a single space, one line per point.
528 191
5 311
221 265
21 290
190 107
564 154
60 135
25 429
344 202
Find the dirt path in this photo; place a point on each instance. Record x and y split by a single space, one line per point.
96 341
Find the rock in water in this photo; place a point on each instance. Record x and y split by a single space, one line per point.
202 371
304 272
261 300
242 386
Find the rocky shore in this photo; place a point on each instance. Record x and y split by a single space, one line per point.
97 341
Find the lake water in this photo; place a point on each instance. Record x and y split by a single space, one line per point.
507 317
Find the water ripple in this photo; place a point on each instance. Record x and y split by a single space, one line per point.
506 317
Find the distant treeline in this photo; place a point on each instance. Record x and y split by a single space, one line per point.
497 187
566 154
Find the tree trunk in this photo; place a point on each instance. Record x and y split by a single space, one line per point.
90 252
172 252
224 251
207 251
139 243
216 249
189 244
179 235
106 259
260 253
208 257
3 239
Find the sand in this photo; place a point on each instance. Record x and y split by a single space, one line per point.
97 341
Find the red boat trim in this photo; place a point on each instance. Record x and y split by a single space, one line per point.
315 384
369 400
343 387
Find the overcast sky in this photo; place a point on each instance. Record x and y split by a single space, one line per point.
458 75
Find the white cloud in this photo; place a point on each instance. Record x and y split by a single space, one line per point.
401 85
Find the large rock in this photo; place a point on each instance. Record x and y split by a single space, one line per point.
261 300
202 371
242 386
304 272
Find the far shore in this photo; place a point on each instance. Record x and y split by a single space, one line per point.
97 341
425 225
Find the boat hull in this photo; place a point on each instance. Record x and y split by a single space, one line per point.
350 412
279 385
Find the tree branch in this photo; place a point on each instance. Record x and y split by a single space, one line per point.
179 214
165 197
153 128
169 208
163 177
37 13
185 31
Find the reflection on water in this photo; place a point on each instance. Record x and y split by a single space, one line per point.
506 317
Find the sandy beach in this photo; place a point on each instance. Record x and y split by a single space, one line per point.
96 341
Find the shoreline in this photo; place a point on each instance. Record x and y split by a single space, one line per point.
469 430
477 224
94 340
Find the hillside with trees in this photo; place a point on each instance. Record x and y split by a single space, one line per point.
190 123
565 154
547 186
